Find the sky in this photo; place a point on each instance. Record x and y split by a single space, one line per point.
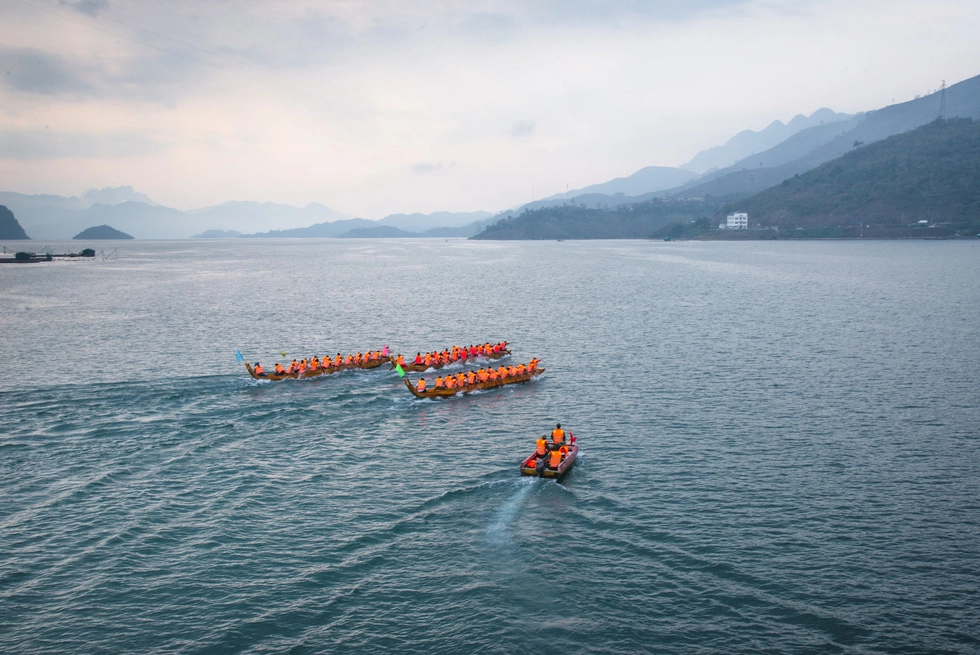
374 107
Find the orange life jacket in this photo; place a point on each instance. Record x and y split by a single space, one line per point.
542 446
555 459
557 436
428 359
439 383
420 387
279 369
259 370
450 382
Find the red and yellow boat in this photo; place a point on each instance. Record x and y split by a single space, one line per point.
541 466
320 370
412 367
432 392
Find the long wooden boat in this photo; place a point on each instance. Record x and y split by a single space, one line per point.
323 370
538 466
419 368
478 386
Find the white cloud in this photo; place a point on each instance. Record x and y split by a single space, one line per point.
198 103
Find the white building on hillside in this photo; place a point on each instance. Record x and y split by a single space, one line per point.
736 221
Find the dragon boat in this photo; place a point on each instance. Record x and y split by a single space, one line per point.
469 388
419 368
322 370
538 466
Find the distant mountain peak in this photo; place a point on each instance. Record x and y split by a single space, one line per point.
114 196
749 142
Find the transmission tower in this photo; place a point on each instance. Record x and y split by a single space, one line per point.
942 101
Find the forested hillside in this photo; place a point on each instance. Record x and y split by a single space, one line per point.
931 173
630 221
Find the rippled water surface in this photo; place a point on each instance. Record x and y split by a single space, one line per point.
779 450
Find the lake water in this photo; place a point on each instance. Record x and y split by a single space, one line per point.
780 450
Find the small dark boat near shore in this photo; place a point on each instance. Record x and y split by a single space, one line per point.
33 257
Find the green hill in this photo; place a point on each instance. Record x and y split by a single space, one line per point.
928 174
102 232
10 228
630 221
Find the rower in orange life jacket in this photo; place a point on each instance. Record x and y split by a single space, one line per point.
258 369
279 369
420 387
558 435
542 447
555 459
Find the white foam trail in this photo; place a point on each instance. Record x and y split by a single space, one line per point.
499 529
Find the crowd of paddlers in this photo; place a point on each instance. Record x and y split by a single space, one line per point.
454 354
472 379
314 363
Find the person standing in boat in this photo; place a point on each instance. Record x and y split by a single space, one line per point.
557 437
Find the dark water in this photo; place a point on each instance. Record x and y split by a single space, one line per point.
779 450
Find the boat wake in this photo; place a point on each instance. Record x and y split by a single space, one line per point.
498 532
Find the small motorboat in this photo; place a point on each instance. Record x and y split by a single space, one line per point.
540 466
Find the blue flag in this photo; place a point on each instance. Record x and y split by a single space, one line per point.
239 357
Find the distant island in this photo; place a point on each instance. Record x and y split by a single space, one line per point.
102 232
218 234
10 229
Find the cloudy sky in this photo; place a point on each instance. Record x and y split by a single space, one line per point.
379 106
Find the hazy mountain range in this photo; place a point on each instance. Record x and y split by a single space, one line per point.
748 163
